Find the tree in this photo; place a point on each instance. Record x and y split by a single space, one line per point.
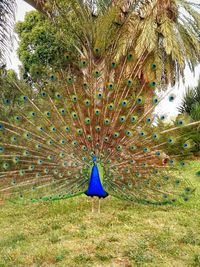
41 47
191 103
190 106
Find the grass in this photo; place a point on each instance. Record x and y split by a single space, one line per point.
66 233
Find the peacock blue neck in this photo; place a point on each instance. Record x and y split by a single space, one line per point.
95 187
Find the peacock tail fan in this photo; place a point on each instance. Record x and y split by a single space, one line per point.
101 104
46 145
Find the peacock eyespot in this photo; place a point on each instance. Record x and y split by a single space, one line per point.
153 84
153 66
110 107
89 137
113 65
98 128
67 129
155 136
124 103
87 121
115 135
122 119
74 98
106 121
58 96
155 100
162 117
62 111
80 131
1 126
52 77
87 102
99 95
130 56
74 115
84 148
129 82
142 134
85 86
170 140
7 102
97 112
106 139
128 133
43 94
74 143
172 97
48 113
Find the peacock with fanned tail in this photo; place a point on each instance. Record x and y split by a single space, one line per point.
91 128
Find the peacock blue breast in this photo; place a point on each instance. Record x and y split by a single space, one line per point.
95 187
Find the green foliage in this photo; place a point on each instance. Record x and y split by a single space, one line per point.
191 103
42 46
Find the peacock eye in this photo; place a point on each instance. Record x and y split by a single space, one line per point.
113 65
97 112
89 137
152 84
124 103
98 128
43 94
130 56
74 98
87 121
106 121
111 106
122 119
84 148
87 102
162 117
172 97
74 115
106 139
153 66
99 95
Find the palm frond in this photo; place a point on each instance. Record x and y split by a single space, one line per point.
7 18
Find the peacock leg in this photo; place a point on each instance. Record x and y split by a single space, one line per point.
92 205
99 206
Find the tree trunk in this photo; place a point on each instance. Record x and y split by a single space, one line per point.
37 4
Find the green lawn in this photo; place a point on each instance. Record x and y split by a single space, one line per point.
66 233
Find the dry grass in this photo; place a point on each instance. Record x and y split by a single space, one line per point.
66 233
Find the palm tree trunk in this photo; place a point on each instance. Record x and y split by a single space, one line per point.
37 4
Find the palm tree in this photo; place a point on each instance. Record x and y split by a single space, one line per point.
191 103
37 4
7 16
165 32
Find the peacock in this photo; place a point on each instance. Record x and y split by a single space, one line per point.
90 127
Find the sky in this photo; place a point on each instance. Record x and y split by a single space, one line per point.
165 107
